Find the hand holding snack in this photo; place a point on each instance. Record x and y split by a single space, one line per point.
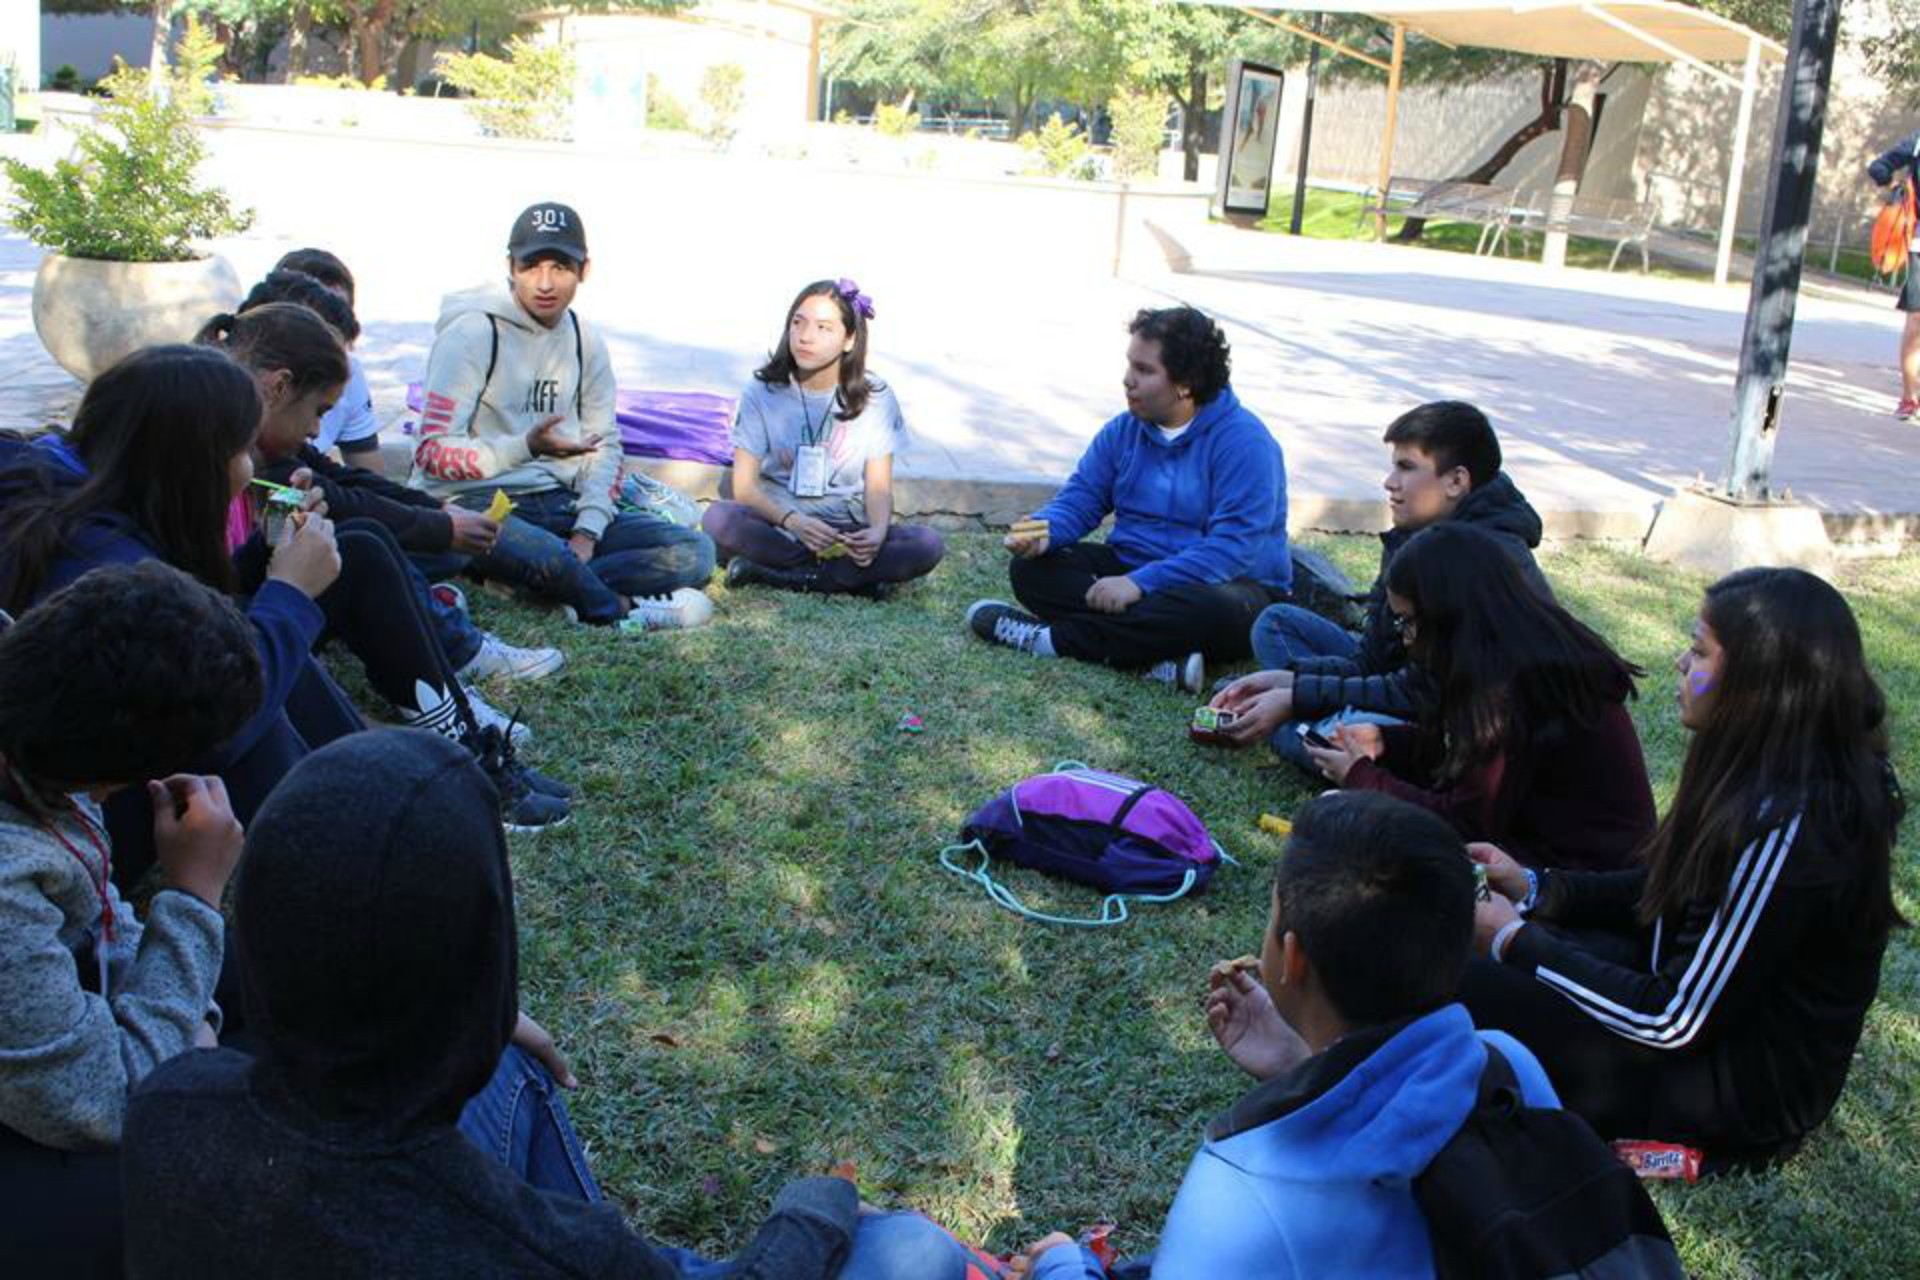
1028 538
308 560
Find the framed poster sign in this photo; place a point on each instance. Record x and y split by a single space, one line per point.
1251 123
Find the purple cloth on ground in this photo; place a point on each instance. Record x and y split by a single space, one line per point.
693 426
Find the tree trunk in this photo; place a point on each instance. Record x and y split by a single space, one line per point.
297 40
1573 161
162 34
1193 120
406 70
372 52
1553 89
1022 108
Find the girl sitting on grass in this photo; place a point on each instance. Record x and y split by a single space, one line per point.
813 446
1714 993
1523 735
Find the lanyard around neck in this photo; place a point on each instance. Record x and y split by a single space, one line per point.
811 432
100 878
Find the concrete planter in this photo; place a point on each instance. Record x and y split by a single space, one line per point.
90 313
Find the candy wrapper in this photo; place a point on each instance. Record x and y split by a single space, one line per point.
501 507
1660 1160
1275 826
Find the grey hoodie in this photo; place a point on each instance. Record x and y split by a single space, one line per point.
494 373
69 1053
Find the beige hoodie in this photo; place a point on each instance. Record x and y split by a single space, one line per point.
473 425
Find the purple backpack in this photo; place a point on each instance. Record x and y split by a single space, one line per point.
1128 838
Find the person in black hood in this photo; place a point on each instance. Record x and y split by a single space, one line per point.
379 964
1317 676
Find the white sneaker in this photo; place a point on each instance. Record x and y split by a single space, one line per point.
498 658
1190 673
486 715
681 610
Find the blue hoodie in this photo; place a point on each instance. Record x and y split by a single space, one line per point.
286 623
1207 507
1311 1174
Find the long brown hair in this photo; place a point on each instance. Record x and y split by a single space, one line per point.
1510 669
156 433
855 387
1798 727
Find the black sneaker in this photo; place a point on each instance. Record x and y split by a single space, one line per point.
531 811
546 786
523 808
998 622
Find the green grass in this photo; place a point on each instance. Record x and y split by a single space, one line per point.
1336 215
746 943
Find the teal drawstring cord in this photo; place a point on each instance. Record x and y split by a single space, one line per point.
1113 909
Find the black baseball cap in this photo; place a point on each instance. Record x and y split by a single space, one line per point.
548 227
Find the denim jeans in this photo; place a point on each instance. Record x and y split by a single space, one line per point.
451 626
1283 636
637 555
886 1246
520 1120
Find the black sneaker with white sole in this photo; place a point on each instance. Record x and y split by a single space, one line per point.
998 622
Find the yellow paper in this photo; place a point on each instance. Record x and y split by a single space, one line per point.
501 506
1275 826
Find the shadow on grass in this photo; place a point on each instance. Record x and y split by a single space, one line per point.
747 945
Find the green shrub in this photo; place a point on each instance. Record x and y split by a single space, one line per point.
664 111
723 90
528 94
196 59
1061 148
1139 129
131 194
895 122
65 79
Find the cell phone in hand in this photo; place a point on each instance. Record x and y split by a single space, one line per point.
1314 738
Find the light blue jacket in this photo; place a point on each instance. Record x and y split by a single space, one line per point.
1325 1186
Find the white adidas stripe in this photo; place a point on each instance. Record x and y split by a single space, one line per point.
1714 960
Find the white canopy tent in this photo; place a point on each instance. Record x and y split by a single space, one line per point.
1593 30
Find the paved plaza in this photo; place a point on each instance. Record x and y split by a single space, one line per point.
1609 390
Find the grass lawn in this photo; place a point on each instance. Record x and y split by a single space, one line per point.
746 943
1336 215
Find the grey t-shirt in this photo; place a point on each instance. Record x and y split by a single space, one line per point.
772 423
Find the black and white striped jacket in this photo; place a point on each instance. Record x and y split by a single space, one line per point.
1755 999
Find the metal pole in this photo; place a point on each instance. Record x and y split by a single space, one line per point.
1782 250
1736 172
1306 134
1393 121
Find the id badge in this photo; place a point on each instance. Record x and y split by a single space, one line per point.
810 472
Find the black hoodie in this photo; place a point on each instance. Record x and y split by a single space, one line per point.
378 957
1378 678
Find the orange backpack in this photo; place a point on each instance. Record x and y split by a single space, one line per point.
1893 232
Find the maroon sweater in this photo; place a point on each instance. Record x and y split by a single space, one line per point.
1579 799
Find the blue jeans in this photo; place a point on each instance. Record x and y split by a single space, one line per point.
638 555
886 1246
453 628
520 1120
1283 636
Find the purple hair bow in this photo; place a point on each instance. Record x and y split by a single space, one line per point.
857 300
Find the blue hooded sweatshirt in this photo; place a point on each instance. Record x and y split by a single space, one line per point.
1311 1173
286 623
1207 507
